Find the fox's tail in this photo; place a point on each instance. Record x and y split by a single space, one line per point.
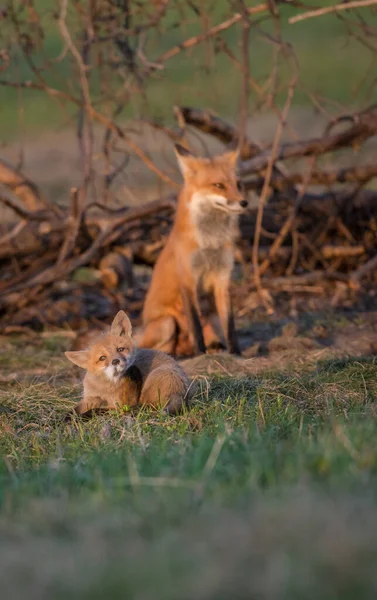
175 404
166 386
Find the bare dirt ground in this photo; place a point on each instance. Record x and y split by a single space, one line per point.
285 342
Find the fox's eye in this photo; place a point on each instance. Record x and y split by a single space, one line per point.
120 349
219 186
102 358
239 186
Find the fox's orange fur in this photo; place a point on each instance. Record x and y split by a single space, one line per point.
118 375
197 259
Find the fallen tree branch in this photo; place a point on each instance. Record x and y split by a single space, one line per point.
26 191
342 251
12 201
104 230
207 122
364 127
364 270
303 280
355 174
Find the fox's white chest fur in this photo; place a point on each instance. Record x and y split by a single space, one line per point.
213 228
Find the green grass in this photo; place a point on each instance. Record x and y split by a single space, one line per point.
265 489
331 65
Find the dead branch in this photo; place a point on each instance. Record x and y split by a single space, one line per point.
342 251
198 39
355 174
266 184
332 9
12 201
364 270
25 190
303 280
364 127
207 122
85 132
73 224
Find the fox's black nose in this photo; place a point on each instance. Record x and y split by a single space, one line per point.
243 203
116 361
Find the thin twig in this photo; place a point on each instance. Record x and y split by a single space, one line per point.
266 185
245 76
331 9
197 39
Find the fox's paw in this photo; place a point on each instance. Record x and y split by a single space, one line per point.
215 347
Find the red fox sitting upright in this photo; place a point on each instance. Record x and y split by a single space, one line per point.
196 260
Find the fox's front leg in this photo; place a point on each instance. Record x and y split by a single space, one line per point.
90 403
225 311
190 306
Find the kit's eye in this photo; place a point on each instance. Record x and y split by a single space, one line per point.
219 186
102 358
120 349
239 186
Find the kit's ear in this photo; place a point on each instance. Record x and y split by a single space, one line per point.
79 358
121 326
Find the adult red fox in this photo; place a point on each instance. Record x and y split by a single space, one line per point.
117 374
197 259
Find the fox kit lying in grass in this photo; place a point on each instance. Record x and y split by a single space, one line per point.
118 375
197 259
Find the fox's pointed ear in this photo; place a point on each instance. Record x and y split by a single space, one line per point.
121 325
186 160
232 156
79 358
